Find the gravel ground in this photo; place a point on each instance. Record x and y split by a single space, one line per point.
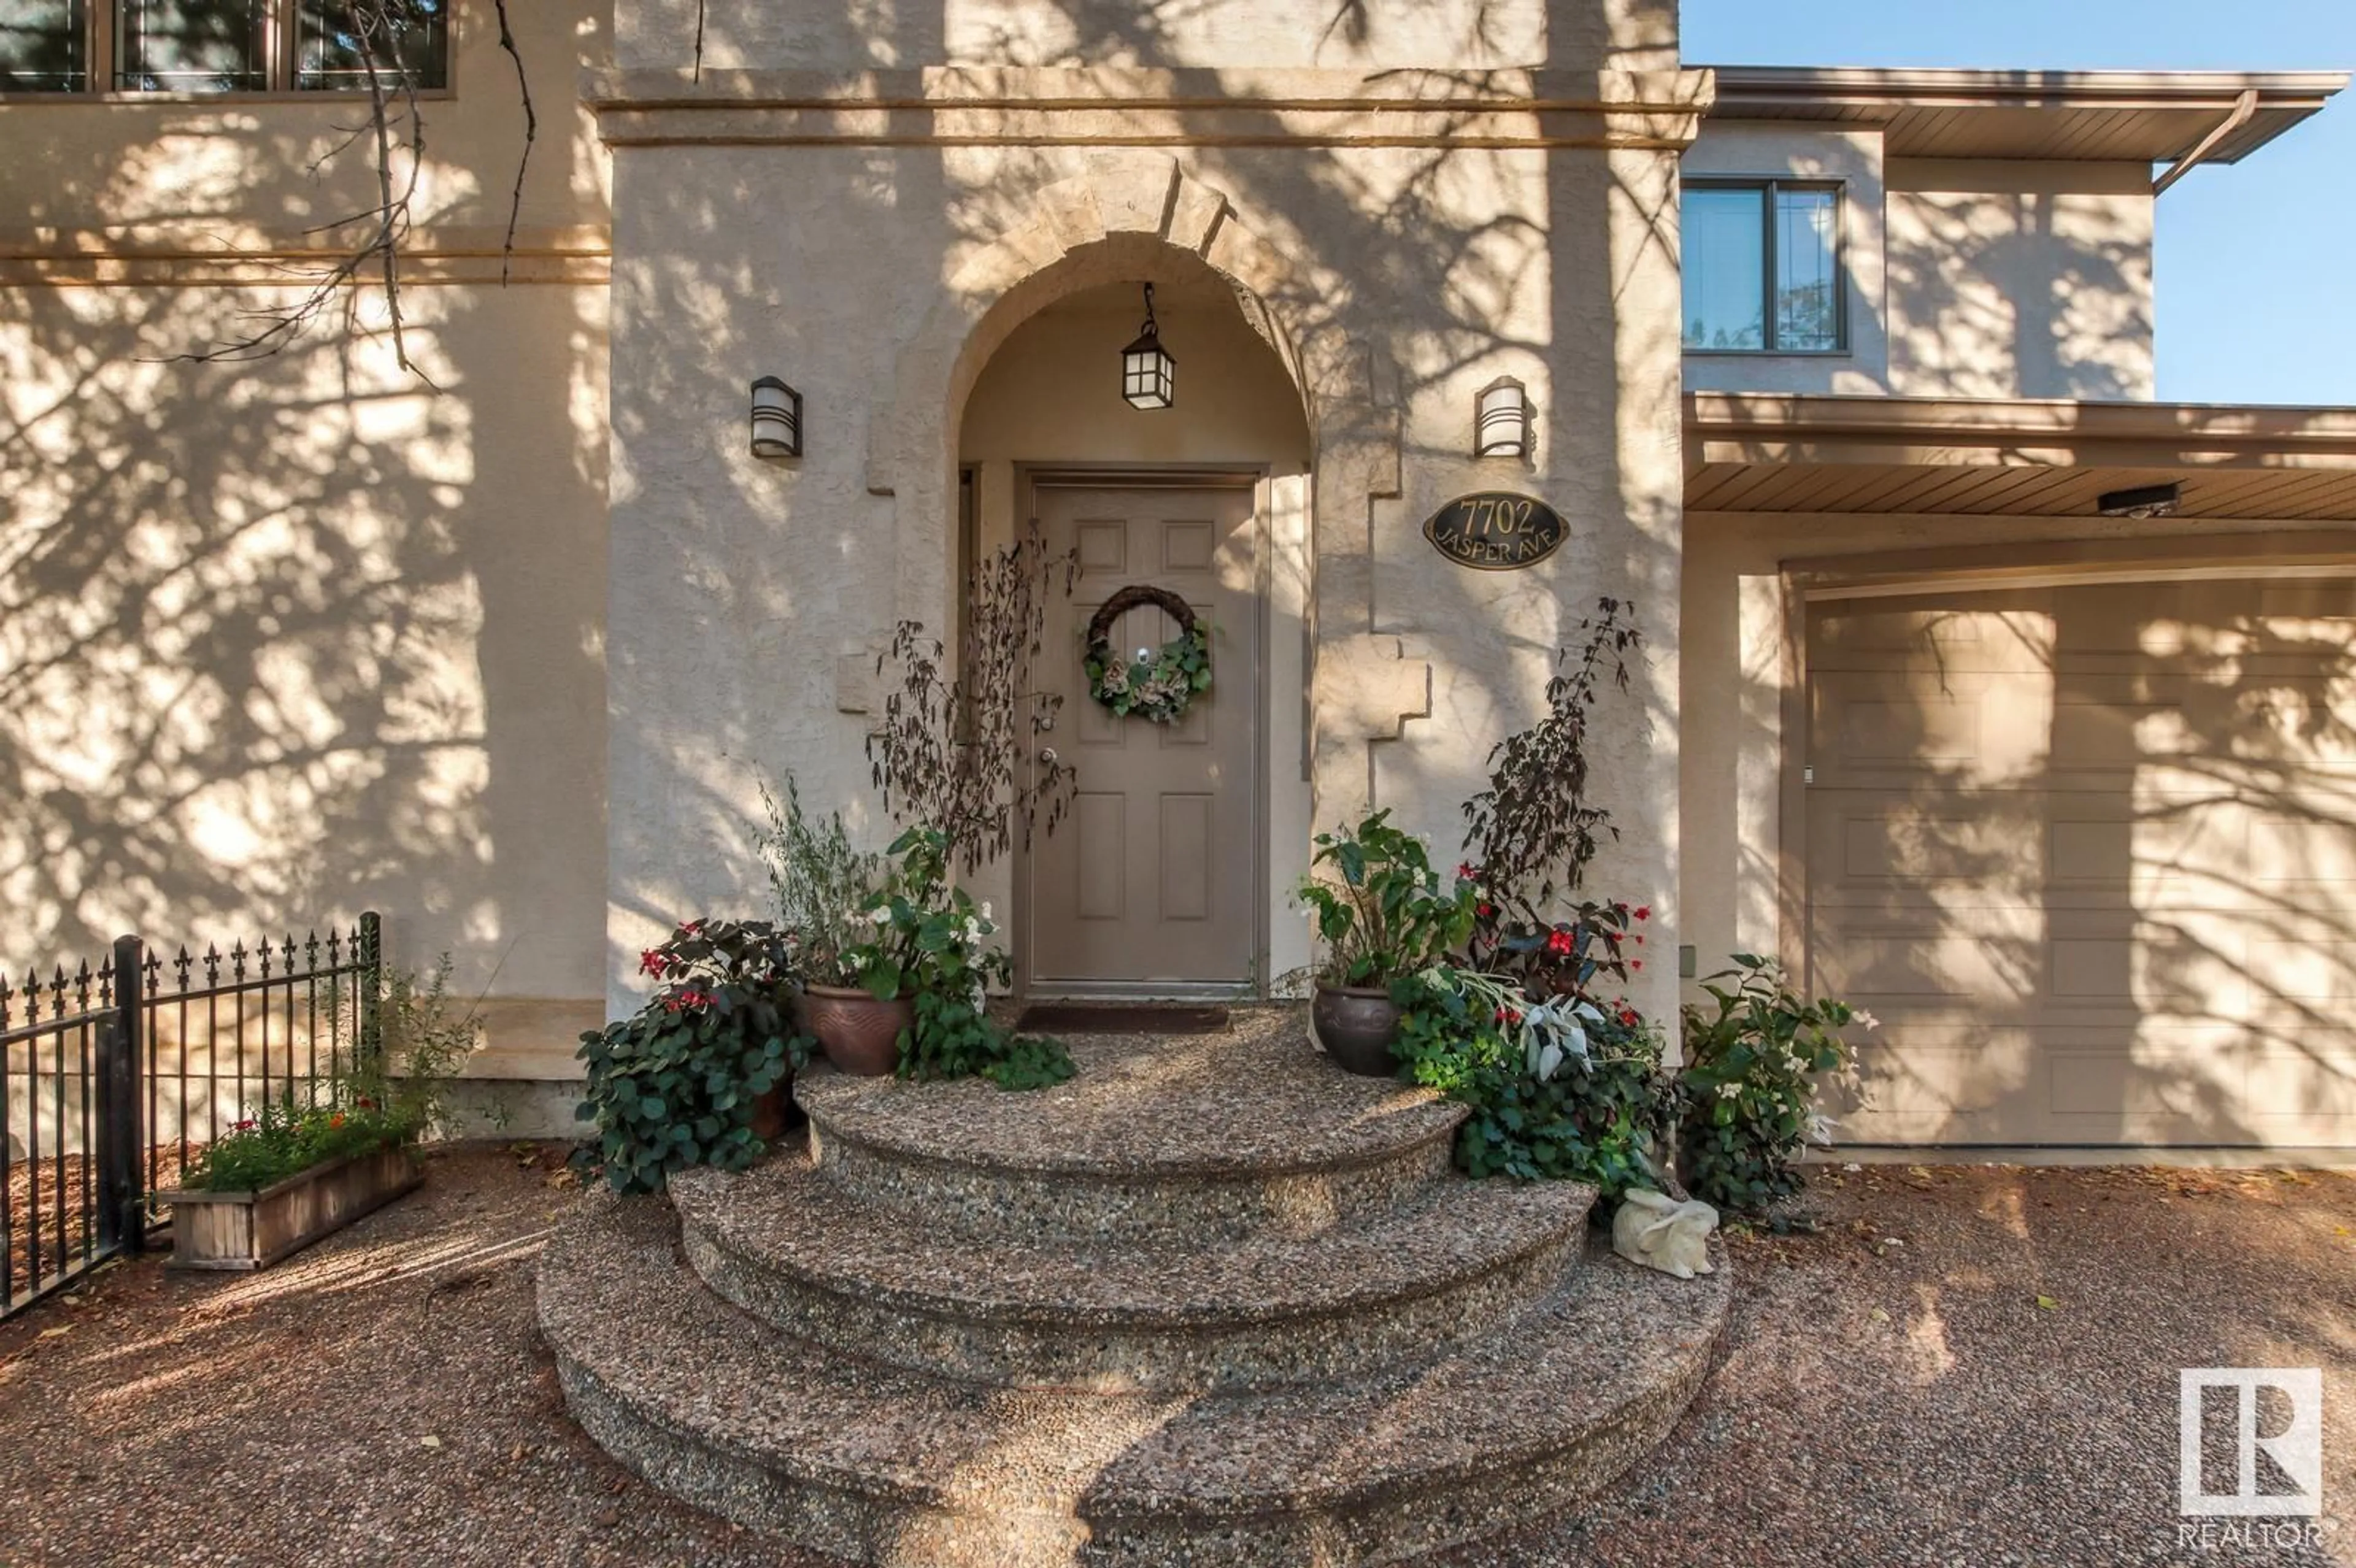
1894 1389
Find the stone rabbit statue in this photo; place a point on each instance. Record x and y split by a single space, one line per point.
1658 1232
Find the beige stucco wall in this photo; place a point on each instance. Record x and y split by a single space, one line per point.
1397 279
1451 35
286 639
1739 648
2020 280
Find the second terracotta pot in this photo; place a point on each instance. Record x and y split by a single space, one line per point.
1357 1025
859 1034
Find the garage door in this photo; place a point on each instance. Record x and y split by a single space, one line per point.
2089 853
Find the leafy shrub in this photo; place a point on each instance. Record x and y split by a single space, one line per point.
674 1084
935 948
1560 1086
822 887
1381 909
1748 1087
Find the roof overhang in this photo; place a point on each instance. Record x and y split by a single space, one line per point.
2134 116
1762 453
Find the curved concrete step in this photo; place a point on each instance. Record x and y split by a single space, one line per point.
879 1464
1226 1139
785 1244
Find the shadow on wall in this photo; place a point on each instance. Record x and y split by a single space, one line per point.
283 639
2090 855
1401 256
2014 293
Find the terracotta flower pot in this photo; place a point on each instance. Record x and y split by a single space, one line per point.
859 1034
773 1112
1357 1025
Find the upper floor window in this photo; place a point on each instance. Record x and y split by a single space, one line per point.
1763 271
223 46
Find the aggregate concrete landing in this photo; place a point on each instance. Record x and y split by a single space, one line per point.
1250 1132
1255 1100
883 1464
785 1244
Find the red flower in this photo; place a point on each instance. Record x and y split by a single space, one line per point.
1640 939
1644 911
1635 963
670 1004
364 1102
337 1120
1628 1017
244 1127
1559 943
1464 871
652 961
691 928
1508 1017
1487 909
1620 909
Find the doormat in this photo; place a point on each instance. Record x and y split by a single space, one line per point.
1115 1018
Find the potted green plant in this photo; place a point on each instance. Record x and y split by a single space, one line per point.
696 1075
1383 915
833 900
320 1157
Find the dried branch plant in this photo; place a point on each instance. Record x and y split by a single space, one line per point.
960 752
394 133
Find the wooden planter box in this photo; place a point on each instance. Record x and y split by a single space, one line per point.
255 1230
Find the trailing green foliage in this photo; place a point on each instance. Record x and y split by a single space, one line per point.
1381 910
935 947
1748 1087
674 1084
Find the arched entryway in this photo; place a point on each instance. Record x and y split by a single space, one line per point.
1166 877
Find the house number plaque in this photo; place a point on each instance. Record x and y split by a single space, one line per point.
1492 530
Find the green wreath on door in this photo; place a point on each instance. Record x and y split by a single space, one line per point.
1158 684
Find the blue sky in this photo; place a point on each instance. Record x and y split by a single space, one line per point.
2257 262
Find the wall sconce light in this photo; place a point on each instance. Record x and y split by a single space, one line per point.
2151 501
1501 421
1146 368
777 418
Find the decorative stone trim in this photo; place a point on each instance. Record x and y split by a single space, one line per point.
1368 687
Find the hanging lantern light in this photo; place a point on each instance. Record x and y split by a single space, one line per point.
1146 368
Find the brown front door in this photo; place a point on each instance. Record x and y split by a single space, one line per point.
1152 882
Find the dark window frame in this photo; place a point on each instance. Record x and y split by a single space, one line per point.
1768 188
105 80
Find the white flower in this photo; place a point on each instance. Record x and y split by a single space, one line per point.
1728 1091
1866 1018
1820 1129
985 910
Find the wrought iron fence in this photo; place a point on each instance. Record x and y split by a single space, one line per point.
114 1079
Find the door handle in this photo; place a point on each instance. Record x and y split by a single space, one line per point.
1048 755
